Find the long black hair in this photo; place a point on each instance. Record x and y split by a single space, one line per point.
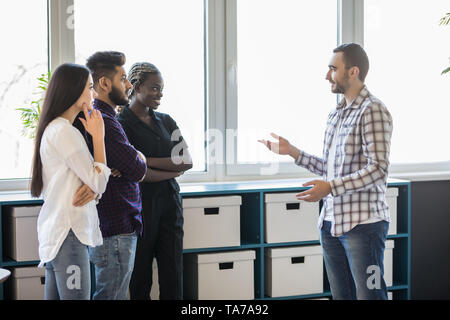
66 85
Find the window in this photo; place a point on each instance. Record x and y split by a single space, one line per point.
170 34
282 55
236 70
407 51
24 59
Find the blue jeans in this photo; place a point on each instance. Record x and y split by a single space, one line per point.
354 261
113 262
68 276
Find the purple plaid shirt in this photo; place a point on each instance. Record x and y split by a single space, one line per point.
119 208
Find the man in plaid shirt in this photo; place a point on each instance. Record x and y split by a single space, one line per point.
355 218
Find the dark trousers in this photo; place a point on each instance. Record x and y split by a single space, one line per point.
163 239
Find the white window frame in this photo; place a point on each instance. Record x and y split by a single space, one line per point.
235 170
221 91
350 29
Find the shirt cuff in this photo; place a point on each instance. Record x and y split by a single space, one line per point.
103 168
337 187
300 159
98 197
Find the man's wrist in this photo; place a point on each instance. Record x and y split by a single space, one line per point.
294 152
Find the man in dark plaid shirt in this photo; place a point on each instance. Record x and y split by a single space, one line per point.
120 206
355 218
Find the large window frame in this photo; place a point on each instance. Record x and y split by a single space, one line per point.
221 92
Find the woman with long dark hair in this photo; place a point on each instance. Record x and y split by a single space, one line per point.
61 164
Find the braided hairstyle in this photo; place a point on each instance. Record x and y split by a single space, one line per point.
139 73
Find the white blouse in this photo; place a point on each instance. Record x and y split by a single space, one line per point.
66 165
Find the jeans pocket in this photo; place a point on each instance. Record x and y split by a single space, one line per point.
99 255
128 234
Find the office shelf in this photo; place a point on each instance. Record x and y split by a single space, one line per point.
252 229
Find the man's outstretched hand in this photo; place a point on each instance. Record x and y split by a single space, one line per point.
319 191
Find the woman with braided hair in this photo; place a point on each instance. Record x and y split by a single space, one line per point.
158 137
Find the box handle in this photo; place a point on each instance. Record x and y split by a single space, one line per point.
293 206
209 211
225 265
42 280
295 260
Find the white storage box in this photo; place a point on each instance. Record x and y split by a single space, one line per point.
388 262
154 293
212 222
28 283
219 276
391 199
288 219
293 271
22 240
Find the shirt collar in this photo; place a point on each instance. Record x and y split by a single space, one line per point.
129 115
356 102
153 114
104 107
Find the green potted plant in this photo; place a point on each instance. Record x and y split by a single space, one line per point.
444 22
30 115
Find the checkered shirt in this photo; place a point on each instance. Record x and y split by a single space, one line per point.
361 162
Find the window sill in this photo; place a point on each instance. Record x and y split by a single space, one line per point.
21 185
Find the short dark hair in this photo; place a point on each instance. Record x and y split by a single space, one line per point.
104 63
354 56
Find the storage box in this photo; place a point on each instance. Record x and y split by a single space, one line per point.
212 222
219 276
288 219
391 199
28 283
154 292
388 262
22 239
293 271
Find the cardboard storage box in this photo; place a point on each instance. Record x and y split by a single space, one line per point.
293 271
154 293
391 199
22 240
212 222
28 283
388 262
219 276
288 219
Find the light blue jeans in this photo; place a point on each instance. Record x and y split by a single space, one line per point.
68 276
354 261
114 262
